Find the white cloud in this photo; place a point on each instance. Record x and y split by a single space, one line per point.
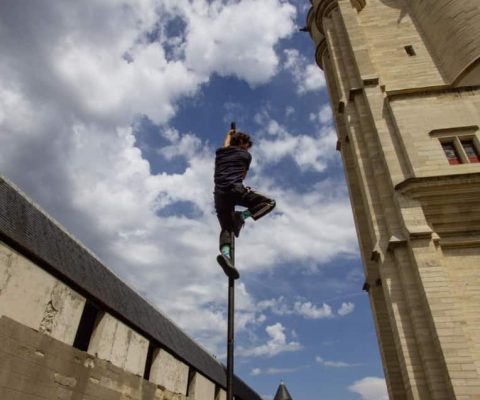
310 152
308 310
300 230
109 70
289 111
346 308
237 39
74 79
370 388
278 371
186 145
277 306
324 116
274 371
275 345
334 364
307 76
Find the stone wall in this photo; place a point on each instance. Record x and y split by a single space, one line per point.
36 299
34 365
444 115
396 97
39 321
462 265
452 31
70 329
389 28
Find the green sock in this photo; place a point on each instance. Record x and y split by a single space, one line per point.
226 250
246 214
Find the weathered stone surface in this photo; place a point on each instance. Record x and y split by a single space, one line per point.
221 395
44 246
36 366
114 341
407 76
68 381
201 388
36 299
169 372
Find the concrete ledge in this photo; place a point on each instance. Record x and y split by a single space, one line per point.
35 298
221 395
115 342
169 372
201 388
36 366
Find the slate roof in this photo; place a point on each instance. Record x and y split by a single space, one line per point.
282 393
30 231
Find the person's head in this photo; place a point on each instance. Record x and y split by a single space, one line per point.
242 140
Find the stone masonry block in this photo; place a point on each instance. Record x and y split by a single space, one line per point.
33 297
114 341
221 395
36 366
169 372
201 388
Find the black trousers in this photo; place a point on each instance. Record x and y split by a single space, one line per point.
225 201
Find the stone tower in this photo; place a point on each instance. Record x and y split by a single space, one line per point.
404 84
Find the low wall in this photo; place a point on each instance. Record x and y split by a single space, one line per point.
70 325
37 366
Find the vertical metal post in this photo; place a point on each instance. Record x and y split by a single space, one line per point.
231 313
230 333
231 299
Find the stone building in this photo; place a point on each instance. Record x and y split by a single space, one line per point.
70 329
404 83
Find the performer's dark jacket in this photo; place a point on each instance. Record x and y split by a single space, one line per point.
231 166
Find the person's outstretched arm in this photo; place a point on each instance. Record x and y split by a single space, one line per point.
228 138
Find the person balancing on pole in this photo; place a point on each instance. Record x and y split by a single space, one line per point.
232 162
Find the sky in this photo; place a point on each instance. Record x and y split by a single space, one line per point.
110 114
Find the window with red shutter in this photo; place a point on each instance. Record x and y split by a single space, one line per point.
471 151
451 153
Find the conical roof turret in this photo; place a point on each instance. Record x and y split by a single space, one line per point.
282 393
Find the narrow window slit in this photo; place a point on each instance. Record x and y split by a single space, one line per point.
410 50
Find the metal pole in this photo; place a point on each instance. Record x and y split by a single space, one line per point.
230 333
231 313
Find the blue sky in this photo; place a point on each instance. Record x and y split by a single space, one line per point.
110 113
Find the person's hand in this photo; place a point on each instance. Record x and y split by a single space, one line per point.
228 138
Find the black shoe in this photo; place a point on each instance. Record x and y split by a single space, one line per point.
238 223
228 267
